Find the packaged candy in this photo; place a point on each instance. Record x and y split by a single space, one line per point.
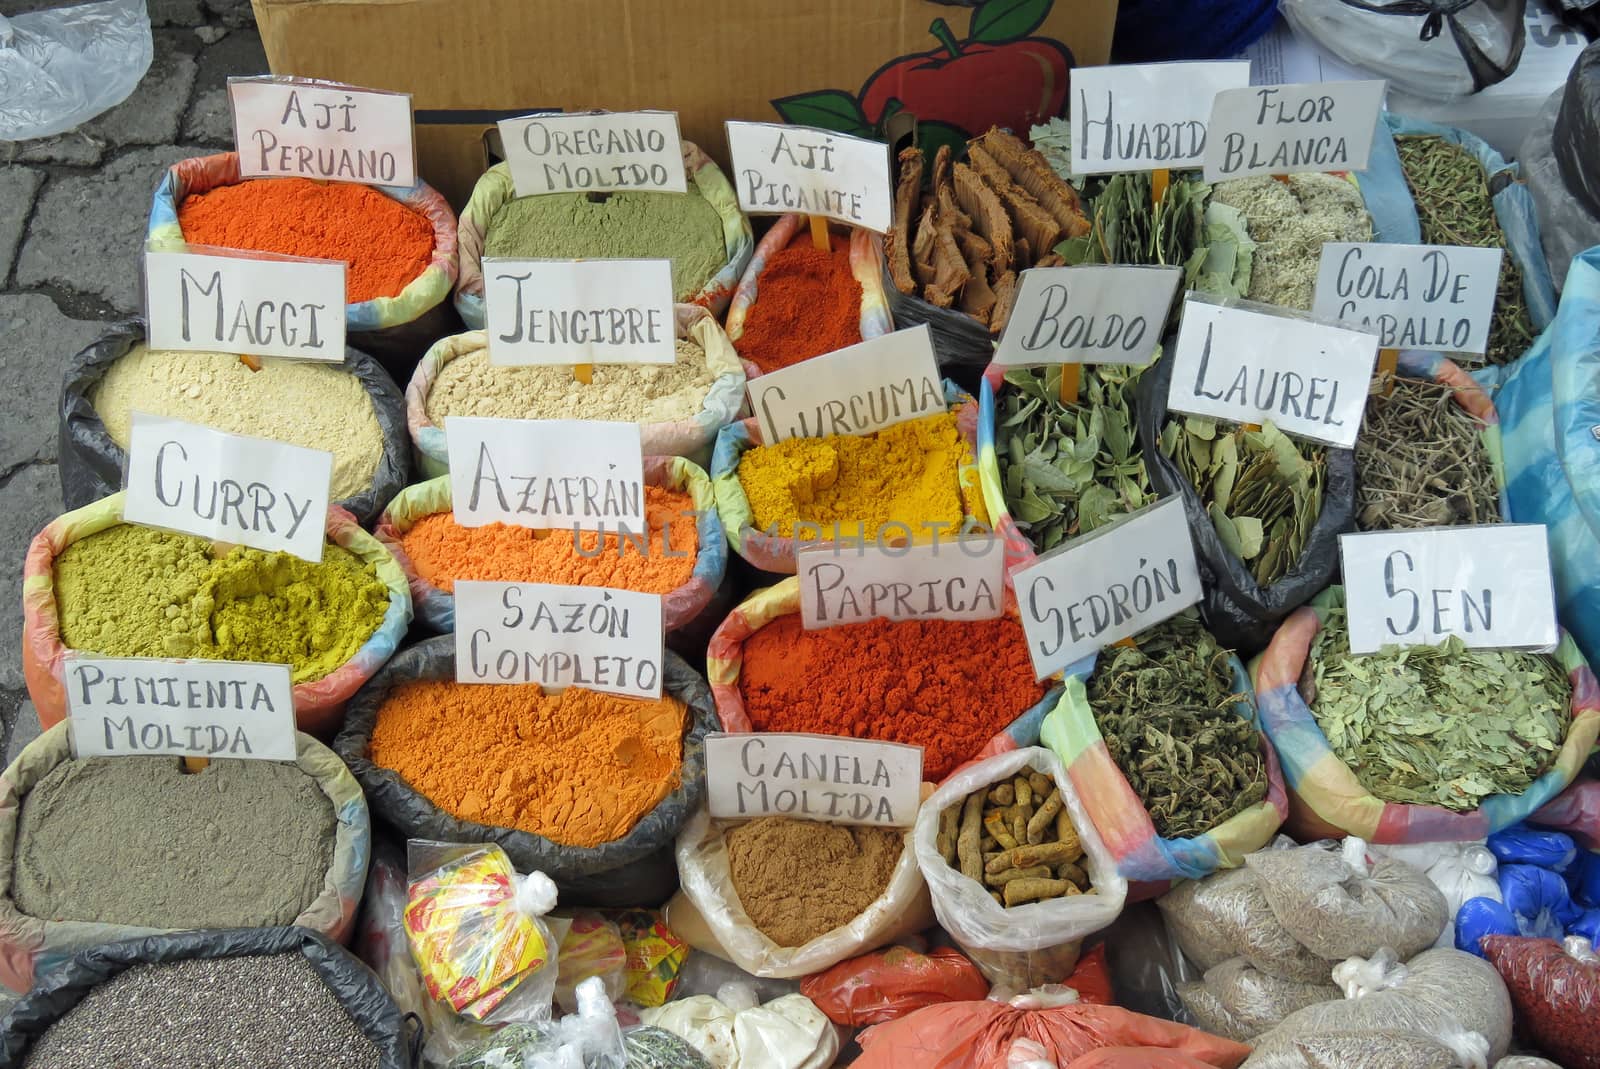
655 955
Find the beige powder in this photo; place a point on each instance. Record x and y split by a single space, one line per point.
299 402
799 879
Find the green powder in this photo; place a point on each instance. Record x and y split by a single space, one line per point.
682 227
131 591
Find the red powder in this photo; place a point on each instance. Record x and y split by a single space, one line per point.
807 304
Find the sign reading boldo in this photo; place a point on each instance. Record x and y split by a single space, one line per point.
1091 314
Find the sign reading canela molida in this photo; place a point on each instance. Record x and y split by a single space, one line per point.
1438 297
597 638
579 311
1089 314
1107 585
778 168
813 777
585 475
1141 116
227 487
855 390
594 152
322 130
218 300
123 706
1287 129
949 578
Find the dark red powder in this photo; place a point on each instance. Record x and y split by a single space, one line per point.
807 304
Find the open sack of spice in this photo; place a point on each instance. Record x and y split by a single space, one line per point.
1419 743
1554 987
95 584
1163 744
288 997
911 481
1558 157
586 787
353 410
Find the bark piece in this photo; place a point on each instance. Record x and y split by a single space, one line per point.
1029 218
988 214
907 196
1033 172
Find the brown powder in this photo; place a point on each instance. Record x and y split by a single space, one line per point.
798 879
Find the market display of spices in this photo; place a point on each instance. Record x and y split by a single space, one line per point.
1017 840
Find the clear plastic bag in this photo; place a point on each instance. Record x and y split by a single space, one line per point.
1525 1061
62 67
591 947
1239 1001
587 1039
734 1031
1226 916
1461 872
1385 1050
1555 988
1566 225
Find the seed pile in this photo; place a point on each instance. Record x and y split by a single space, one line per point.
1016 839
798 879
1421 462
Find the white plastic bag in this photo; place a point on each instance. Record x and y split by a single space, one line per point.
733 1031
1460 871
63 67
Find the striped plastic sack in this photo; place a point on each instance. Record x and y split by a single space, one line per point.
318 704
437 608
495 188
692 438
774 553
866 264
30 945
1326 798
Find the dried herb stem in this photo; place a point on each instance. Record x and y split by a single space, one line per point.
1421 462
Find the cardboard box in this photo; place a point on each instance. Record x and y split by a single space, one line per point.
865 67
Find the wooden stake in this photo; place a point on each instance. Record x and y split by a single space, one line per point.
195 764
1159 178
1388 365
584 373
251 362
819 233
1071 374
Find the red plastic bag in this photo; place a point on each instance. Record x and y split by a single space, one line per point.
1136 1058
1092 978
1555 990
888 984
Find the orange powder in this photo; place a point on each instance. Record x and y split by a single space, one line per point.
385 244
443 551
578 767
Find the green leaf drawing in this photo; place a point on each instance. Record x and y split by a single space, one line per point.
830 109
1006 20
930 135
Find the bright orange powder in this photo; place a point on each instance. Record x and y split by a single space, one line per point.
385 244
443 551
578 767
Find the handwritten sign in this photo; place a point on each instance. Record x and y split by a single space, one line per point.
855 390
593 637
813 777
1141 116
1489 586
1107 585
945 579
583 474
594 152
1286 129
1438 297
237 302
779 168
1250 365
579 311
122 706
227 487
322 130
1091 314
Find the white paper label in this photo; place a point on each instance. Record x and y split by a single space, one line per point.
126 706
1091 314
245 302
1308 378
586 475
1490 586
813 777
579 311
855 390
1286 129
1438 297
779 168
227 487
1143 116
335 133
1107 585
594 152
592 637
944 579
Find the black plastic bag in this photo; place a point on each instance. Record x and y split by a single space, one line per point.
962 346
91 463
1576 144
637 870
1240 612
351 982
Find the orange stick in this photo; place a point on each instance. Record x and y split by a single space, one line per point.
1071 375
819 233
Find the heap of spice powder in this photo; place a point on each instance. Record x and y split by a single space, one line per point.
948 686
578 767
443 551
384 244
807 303
798 879
907 474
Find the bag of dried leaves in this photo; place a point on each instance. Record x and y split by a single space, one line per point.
1461 743
1162 743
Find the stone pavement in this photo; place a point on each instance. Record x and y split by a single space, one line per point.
72 220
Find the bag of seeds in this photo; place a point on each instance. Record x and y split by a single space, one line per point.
271 607
31 946
286 997
703 232
1020 912
1557 159
1461 743
516 723
679 407
1554 988
1266 528
1239 1001
353 411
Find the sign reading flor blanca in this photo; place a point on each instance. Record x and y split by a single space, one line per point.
855 390
594 152
334 133
945 579
1141 116
1091 314
255 303
1438 297
579 311
582 474
813 777
779 168
1287 129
